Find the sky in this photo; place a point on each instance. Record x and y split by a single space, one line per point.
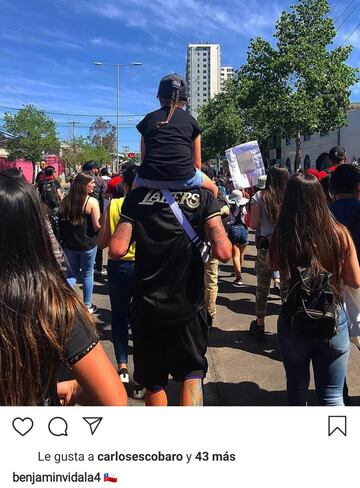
47 50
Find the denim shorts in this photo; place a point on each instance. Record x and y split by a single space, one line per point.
195 181
238 234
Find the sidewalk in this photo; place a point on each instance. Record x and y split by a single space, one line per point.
242 371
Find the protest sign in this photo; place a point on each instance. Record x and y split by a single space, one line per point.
245 164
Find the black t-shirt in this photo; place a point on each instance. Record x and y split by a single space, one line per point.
169 272
50 179
40 176
99 191
81 341
168 154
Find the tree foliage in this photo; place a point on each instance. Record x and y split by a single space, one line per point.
103 133
81 150
35 134
221 124
296 87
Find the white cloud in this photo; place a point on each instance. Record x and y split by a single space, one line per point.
198 17
102 42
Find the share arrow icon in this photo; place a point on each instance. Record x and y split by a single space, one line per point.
93 423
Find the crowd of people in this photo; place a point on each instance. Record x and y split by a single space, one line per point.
167 225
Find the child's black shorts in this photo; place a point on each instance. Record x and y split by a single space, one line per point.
177 349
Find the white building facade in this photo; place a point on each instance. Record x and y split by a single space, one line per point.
312 146
226 72
202 74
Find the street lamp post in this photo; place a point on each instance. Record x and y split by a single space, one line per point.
117 66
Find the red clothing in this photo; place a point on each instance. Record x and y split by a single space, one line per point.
320 175
113 183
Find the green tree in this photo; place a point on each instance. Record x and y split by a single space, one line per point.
103 133
221 124
301 85
35 134
81 150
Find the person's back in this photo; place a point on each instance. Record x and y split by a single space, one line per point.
170 142
50 189
168 269
345 188
312 327
168 153
169 319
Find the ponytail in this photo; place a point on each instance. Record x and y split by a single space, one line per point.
173 103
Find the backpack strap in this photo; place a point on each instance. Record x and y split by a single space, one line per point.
203 248
86 202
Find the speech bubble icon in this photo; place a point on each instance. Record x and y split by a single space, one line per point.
58 426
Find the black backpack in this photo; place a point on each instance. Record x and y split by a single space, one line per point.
310 307
48 194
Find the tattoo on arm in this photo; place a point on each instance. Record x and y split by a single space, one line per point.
215 231
121 240
196 393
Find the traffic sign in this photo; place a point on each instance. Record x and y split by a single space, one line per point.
131 155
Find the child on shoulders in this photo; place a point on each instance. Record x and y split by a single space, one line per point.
171 143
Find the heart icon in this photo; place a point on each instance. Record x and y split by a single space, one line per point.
23 426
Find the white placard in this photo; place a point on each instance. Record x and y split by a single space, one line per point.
245 164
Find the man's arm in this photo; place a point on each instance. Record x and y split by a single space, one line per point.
120 242
220 245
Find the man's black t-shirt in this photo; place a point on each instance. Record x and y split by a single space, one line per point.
168 154
169 272
99 191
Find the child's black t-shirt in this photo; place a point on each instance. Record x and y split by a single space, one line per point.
168 155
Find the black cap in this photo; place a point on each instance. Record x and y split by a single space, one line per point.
173 81
337 154
89 165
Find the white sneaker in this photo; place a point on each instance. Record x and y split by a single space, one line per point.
92 309
97 272
124 375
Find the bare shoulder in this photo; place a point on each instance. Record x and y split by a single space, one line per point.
90 204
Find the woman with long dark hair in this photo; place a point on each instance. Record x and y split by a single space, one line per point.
265 206
42 322
80 215
308 239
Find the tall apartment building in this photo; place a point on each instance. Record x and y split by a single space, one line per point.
226 72
202 74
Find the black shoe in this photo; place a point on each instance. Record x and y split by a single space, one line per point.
277 290
139 391
257 331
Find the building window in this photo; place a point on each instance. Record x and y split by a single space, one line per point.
307 137
307 162
287 141
324 133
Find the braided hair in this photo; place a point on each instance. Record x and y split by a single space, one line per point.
172 102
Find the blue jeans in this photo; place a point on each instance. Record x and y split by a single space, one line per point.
195 181
120 279
238 234
329 359
80 265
